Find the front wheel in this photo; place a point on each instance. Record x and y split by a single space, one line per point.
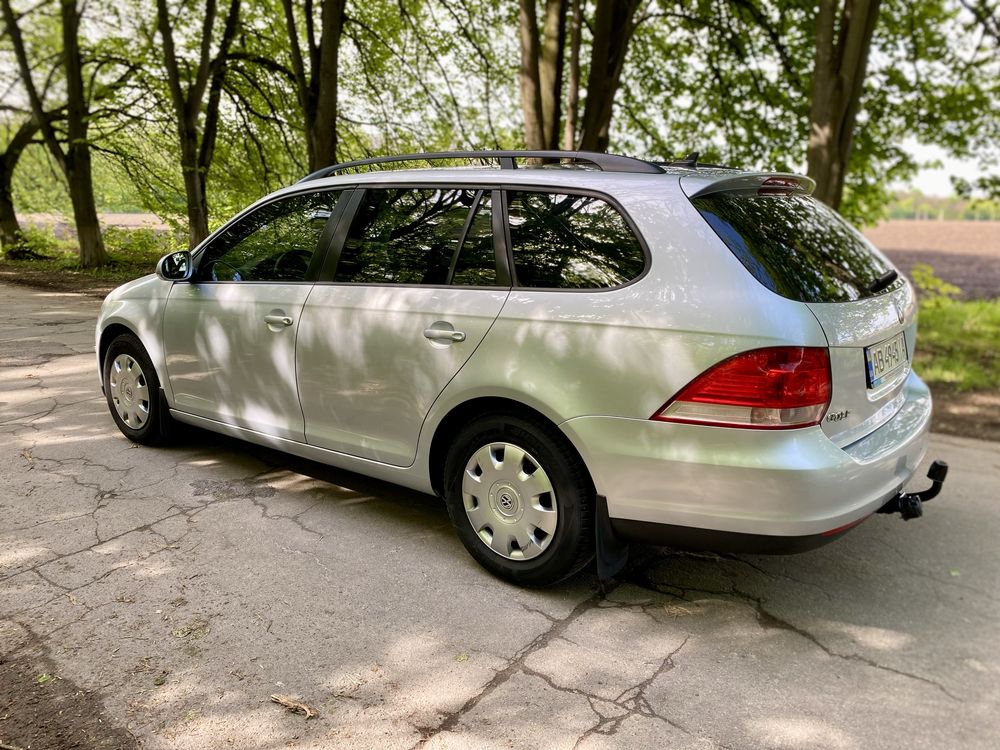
520 499
132 390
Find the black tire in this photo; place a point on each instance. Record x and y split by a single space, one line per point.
571 545
157 427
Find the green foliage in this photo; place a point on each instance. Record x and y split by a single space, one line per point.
730 78
934 291
140 244
133 253
40 242
915 205
959 343
986 188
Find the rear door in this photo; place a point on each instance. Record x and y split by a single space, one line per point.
802 250
229 335
415 289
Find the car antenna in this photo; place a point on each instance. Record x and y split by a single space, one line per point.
690 161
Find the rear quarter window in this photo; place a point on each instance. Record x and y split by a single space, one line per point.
563 241
794 245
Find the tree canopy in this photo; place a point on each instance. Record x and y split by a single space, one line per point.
193 108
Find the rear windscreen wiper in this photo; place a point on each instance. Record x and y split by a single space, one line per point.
883 281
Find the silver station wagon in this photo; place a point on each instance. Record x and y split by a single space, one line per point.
574 350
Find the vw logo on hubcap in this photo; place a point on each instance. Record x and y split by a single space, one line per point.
506 502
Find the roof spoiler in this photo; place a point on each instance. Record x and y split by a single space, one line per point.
764 183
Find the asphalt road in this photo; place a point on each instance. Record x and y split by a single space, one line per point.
178 589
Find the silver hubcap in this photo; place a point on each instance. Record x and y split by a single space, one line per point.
129 392
509 501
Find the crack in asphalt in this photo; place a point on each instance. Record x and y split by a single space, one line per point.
630 702
767 618
514 666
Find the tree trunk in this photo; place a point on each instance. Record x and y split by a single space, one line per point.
197 148
10 228
573 95
317 76
194 185
838 78
79 174
322 131
550 70
531 93
542 72
614 25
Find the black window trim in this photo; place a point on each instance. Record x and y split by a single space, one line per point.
470 217
319 255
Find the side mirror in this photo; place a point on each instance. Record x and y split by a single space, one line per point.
176 266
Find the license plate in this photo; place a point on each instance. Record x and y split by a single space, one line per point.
885 359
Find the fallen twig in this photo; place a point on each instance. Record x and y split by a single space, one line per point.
292 705
4 746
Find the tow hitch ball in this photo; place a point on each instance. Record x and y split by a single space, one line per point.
910 504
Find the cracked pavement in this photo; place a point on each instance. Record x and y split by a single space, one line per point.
179 588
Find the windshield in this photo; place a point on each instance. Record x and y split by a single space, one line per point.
794 245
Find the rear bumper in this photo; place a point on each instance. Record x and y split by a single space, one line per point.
753 490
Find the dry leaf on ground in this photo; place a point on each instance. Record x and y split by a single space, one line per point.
294 706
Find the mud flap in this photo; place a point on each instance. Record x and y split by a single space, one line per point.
612 550
168 427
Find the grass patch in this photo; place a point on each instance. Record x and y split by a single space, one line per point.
959 343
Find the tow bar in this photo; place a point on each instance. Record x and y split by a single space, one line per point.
911 504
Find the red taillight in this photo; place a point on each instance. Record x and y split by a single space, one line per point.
777 388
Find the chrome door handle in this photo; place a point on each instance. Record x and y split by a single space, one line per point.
277 320
440 334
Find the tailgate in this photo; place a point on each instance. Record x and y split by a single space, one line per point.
871 353
802 250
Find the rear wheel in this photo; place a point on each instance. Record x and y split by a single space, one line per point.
520 499
133 392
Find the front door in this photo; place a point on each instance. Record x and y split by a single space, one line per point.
229 335
416 289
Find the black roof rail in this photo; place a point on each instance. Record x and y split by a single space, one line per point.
604 162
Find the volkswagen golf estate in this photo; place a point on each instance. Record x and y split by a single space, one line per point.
586 349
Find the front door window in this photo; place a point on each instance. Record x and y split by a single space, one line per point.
274 243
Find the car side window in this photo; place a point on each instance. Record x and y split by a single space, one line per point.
274 243
562 241
414 236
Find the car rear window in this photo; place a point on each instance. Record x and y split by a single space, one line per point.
794 245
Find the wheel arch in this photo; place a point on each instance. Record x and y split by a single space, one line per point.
463 413
115 328
109 334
